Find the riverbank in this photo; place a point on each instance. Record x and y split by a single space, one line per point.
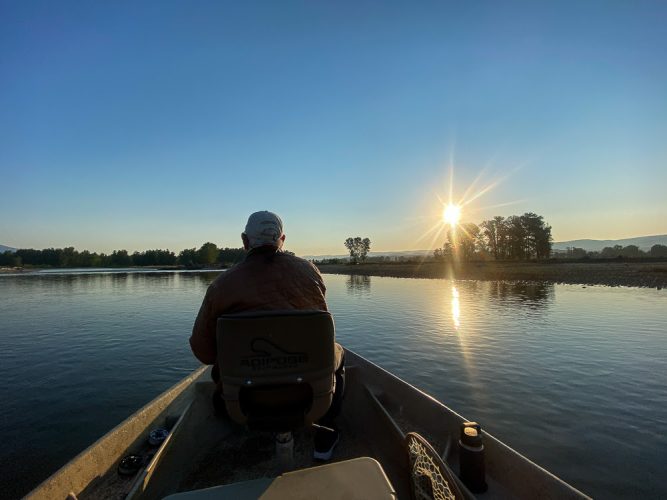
11 270
14 270
640 274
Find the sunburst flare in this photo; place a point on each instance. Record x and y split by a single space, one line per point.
451 214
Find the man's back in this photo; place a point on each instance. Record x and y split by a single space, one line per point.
267 279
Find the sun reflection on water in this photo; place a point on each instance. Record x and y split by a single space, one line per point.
456 308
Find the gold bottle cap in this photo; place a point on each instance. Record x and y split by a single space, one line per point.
470 431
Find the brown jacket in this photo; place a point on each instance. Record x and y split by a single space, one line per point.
266 280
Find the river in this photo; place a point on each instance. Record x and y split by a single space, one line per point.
573 377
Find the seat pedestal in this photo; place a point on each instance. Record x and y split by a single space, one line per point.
285 451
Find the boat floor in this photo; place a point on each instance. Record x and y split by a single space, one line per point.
208 450
235 453
203 450
246 455
372 424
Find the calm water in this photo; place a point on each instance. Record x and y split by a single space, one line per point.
573 377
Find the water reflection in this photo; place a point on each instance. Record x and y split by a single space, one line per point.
201 278
456 308
532 294
358 284
67 282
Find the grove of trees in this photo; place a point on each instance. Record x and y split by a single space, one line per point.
517 237
358 248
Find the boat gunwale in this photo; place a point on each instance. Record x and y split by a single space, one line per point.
54 485
503 448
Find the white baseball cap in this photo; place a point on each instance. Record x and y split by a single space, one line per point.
263 228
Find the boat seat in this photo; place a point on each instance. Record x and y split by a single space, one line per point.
356 479
277 367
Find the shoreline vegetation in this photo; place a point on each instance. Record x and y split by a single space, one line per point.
514 248
636 274
647 274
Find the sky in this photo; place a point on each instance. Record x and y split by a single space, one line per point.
137 125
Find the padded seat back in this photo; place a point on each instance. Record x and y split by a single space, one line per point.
276 367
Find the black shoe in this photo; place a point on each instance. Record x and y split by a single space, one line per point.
219 404
326 440
130 465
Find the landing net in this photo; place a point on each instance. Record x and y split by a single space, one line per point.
431 479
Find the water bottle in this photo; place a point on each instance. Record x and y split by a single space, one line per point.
471 457
285 450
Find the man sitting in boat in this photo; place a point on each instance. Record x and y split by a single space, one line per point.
268 279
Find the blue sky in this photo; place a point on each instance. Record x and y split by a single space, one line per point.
164 124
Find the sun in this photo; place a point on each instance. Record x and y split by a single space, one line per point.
451 214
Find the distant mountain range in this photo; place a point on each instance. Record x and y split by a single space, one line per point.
643 242
4 249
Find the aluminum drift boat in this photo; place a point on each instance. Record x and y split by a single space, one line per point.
203 450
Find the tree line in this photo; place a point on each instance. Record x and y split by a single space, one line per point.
207 254
517 237
628 251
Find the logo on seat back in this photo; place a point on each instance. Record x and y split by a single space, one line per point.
271 357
